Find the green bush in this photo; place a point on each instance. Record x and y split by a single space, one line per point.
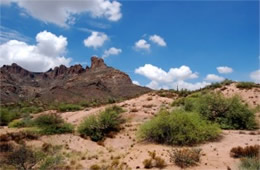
178 127
19 123
246 85
52 124
7 116
229 113
249 164
31 109
97 126
69 107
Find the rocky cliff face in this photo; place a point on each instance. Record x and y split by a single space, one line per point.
70 85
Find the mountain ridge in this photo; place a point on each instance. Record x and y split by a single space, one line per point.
66 84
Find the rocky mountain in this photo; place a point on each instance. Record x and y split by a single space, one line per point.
63 84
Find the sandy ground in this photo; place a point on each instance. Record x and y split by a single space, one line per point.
249 96
128 149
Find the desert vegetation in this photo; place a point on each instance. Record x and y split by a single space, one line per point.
98 126
229 113
154 161
249 156
46 124
246 85
24 157
185 157
178 127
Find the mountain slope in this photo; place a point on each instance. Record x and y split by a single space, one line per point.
70 85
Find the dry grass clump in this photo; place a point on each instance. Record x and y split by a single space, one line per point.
185 157
248 151
154 161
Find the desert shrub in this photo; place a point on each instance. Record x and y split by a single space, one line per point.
95 167
18 123
178 127
22 158
246 85
7 116
178 102
52 124
147 163
249 164
31 109
69 107
6 146
154 161
185 157
229 113
98 126
248 151
111 100
50 162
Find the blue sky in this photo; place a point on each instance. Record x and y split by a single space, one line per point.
160 44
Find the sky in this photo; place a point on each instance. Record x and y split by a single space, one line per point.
159 44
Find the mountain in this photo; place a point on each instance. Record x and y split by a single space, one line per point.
66 85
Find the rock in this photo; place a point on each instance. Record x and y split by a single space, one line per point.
97 63
76 69
67 85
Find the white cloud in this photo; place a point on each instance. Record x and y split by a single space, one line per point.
159 75
136 82
171 79
111 51
214 78
255 76
224 70
158 40
47 53
142 44
62 12
96 39
153 73
182 73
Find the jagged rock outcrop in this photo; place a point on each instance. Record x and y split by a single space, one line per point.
63 84
97 63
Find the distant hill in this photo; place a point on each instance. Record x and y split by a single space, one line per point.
66 85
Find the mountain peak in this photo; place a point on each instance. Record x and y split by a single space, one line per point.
97 63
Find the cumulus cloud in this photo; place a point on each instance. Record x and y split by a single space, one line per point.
142 44
47 53
96 39
159 75
214 78
158 40
255 76
224 70
174 78
63 12
136 82
111 51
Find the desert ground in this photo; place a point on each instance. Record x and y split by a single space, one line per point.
125 147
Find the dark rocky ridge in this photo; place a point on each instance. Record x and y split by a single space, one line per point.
69 85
